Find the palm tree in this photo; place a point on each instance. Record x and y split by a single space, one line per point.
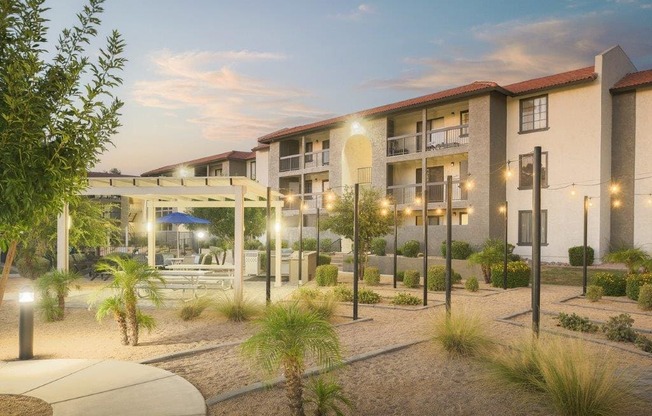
327 395
129 277
287 336
632 257
55 284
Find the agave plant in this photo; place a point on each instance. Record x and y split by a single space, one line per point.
129 277
54 287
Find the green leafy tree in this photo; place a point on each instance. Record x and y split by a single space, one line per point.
287 335
56 116
129 277
54 287
373 221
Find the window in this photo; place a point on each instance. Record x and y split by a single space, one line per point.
525 227
464 218
534 113
325 155
308 152
464 121
252 170
526 170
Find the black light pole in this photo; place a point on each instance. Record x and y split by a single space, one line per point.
425 240
26 323
300 239
318 248
585 260
505 254
268 249
356 247
449 241
536 240
395 241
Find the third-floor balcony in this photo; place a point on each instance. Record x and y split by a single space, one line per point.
408 194
435 140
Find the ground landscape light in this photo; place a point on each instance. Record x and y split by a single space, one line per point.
26 295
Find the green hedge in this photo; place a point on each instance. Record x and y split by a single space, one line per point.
634 283
368 296
326 275
518 274
576 256
323 259
372 276
460 250
411 278
378 246
309 244
411 248
613 284
437 278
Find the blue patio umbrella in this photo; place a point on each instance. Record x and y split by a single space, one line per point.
180 218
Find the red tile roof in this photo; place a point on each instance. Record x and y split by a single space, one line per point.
634 80
108 175
260 147
553 81
474 88
232 155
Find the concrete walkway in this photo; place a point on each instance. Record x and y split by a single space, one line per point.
102 387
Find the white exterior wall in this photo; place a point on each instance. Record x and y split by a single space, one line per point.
573 157
643 187
262 167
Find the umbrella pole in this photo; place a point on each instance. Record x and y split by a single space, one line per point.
178 254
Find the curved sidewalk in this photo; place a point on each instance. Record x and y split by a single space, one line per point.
102 387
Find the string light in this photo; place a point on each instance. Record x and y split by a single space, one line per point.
408 211
470 210
614 188
573 190
617 203
508 171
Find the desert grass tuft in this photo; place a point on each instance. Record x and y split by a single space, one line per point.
314 300
194 308
238 310
461 333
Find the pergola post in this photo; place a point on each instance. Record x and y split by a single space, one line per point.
238 245
278 281
63 240
151 234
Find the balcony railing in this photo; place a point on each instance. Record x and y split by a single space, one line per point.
316 159
407 194
310 201
437 139
288 163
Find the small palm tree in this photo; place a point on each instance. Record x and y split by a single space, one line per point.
54 287
632 257
130 276
288 335
327 396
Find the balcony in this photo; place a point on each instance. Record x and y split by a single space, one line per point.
310 201
436 140
310 160
406 194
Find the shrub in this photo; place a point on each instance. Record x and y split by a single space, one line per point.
472 284
461 333
323 259
613 284
253 245
576 256
631 257
378 246
284 244
32 267
576 323
237 310
460 250
411 278
518 274
316 301
634 283
643 343
411 248
371 276
327 396
645 297
309 244
325 245
326 275
437 278
405 299
399 276
399 251
594 293
343 293
368 296
194 308
619 328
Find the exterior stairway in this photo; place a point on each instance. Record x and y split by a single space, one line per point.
337 259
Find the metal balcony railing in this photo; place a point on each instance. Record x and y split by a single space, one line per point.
407 194
437 139
288 163
316 159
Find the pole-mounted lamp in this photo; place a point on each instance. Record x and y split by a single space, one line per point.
26 323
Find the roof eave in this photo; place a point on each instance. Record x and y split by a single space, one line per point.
592 78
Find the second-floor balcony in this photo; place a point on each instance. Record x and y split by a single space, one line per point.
408 194
310 201
435 140
310 160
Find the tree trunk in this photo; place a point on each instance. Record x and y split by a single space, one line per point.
294 389
11 253
486 272
132 322
122 323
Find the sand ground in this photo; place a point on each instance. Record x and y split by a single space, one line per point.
420 379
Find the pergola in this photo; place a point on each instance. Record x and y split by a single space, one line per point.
175 192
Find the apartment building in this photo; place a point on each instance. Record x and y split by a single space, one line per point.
591 124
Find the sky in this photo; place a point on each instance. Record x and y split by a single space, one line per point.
209 76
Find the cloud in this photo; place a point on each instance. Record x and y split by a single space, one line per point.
226 104
520 50
357 13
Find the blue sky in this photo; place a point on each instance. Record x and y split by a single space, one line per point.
208 76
